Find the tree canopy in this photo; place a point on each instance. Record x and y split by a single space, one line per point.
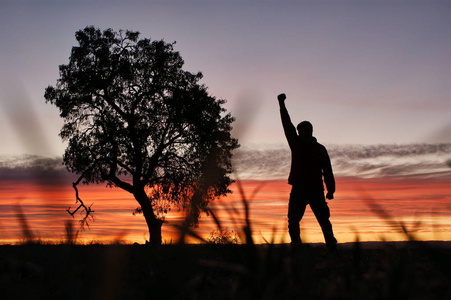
133 118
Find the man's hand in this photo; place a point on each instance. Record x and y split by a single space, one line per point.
330 196
281 97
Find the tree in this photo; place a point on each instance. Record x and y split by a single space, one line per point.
133 118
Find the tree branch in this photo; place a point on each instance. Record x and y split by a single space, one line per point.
112 176
126 167
113 105
88 211
121 184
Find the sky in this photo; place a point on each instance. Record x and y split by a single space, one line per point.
371 76
363 72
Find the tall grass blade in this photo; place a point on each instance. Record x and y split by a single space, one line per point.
26 230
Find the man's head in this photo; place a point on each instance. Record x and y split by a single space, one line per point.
305 129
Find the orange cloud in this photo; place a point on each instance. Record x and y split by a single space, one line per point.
408 201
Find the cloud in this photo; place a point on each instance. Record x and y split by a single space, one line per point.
365 161
392 160
262 164
272 162
32 167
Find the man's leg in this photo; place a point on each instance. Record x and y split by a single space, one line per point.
322 214
296 210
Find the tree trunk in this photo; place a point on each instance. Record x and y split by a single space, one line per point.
155 232
153 223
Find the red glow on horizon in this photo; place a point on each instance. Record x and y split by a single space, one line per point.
407 201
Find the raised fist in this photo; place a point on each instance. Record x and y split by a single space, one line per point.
281 97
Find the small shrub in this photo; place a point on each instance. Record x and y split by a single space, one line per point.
223 237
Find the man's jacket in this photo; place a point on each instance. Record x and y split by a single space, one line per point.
309 159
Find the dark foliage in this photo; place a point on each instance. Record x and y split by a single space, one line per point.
136 120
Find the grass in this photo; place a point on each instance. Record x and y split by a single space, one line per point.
223 269
407 271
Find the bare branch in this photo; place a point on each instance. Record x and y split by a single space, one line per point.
87 210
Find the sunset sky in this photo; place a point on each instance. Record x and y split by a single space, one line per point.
372 77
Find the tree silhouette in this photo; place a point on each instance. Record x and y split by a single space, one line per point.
133 118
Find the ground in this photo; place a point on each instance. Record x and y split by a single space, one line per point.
358 271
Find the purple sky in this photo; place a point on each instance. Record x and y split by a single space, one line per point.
372 76
363 72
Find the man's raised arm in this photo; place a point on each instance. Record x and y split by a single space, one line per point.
288 127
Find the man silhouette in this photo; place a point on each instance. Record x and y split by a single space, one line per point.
309 163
